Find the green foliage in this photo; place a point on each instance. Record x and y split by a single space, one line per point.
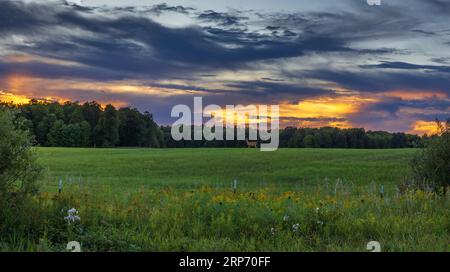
107 129
431 166
324 137
18 168
63 125
56 135
206 219
73 125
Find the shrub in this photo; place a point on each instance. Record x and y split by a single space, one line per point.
18 168
431 166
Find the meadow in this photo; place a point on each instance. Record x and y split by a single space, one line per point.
129 169
184 200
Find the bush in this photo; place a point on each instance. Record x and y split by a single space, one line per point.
18 168
431 166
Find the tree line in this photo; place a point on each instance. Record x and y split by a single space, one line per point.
325 137
72 124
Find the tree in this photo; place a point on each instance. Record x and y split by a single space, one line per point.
341 140
18 167
356 138
91 113
56 135
131 127
325 137
76 116
85 134
44 126
285 135
152 135
308 141
431 166
107 130
399 140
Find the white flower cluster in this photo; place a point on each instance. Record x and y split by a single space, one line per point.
272 231
72 216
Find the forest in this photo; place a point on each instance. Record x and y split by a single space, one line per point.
72 124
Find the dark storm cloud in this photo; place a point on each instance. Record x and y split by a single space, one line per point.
52 71
16 16
441 6
252 91
274 89
222 18
137 44
441 60
157 9
345 24
409 66
272 79
161 8
396 114
393 105
381 81
187 88
430 33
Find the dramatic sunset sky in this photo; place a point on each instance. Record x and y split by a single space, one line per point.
341 63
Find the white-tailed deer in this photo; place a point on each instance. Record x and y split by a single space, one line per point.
251 144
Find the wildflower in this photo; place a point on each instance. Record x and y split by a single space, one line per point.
286 218
272 231
317 210
295 227
72 216
319 222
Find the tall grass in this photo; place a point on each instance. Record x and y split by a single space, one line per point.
208 219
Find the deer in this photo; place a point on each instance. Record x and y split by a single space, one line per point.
251 144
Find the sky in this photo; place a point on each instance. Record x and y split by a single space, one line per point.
326 63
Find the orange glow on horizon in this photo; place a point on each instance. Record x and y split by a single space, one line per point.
413 95
12 98
336 107
334 111
425 127
325 108
7 97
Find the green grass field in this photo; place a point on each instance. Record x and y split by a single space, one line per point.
187 168
182 200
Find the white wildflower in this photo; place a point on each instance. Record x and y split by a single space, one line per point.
317 210
286 218
295 227
320 223
72 216
272 231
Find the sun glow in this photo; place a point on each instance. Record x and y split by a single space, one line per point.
12 98
324 111
425 127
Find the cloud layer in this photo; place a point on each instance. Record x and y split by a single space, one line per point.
390 63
